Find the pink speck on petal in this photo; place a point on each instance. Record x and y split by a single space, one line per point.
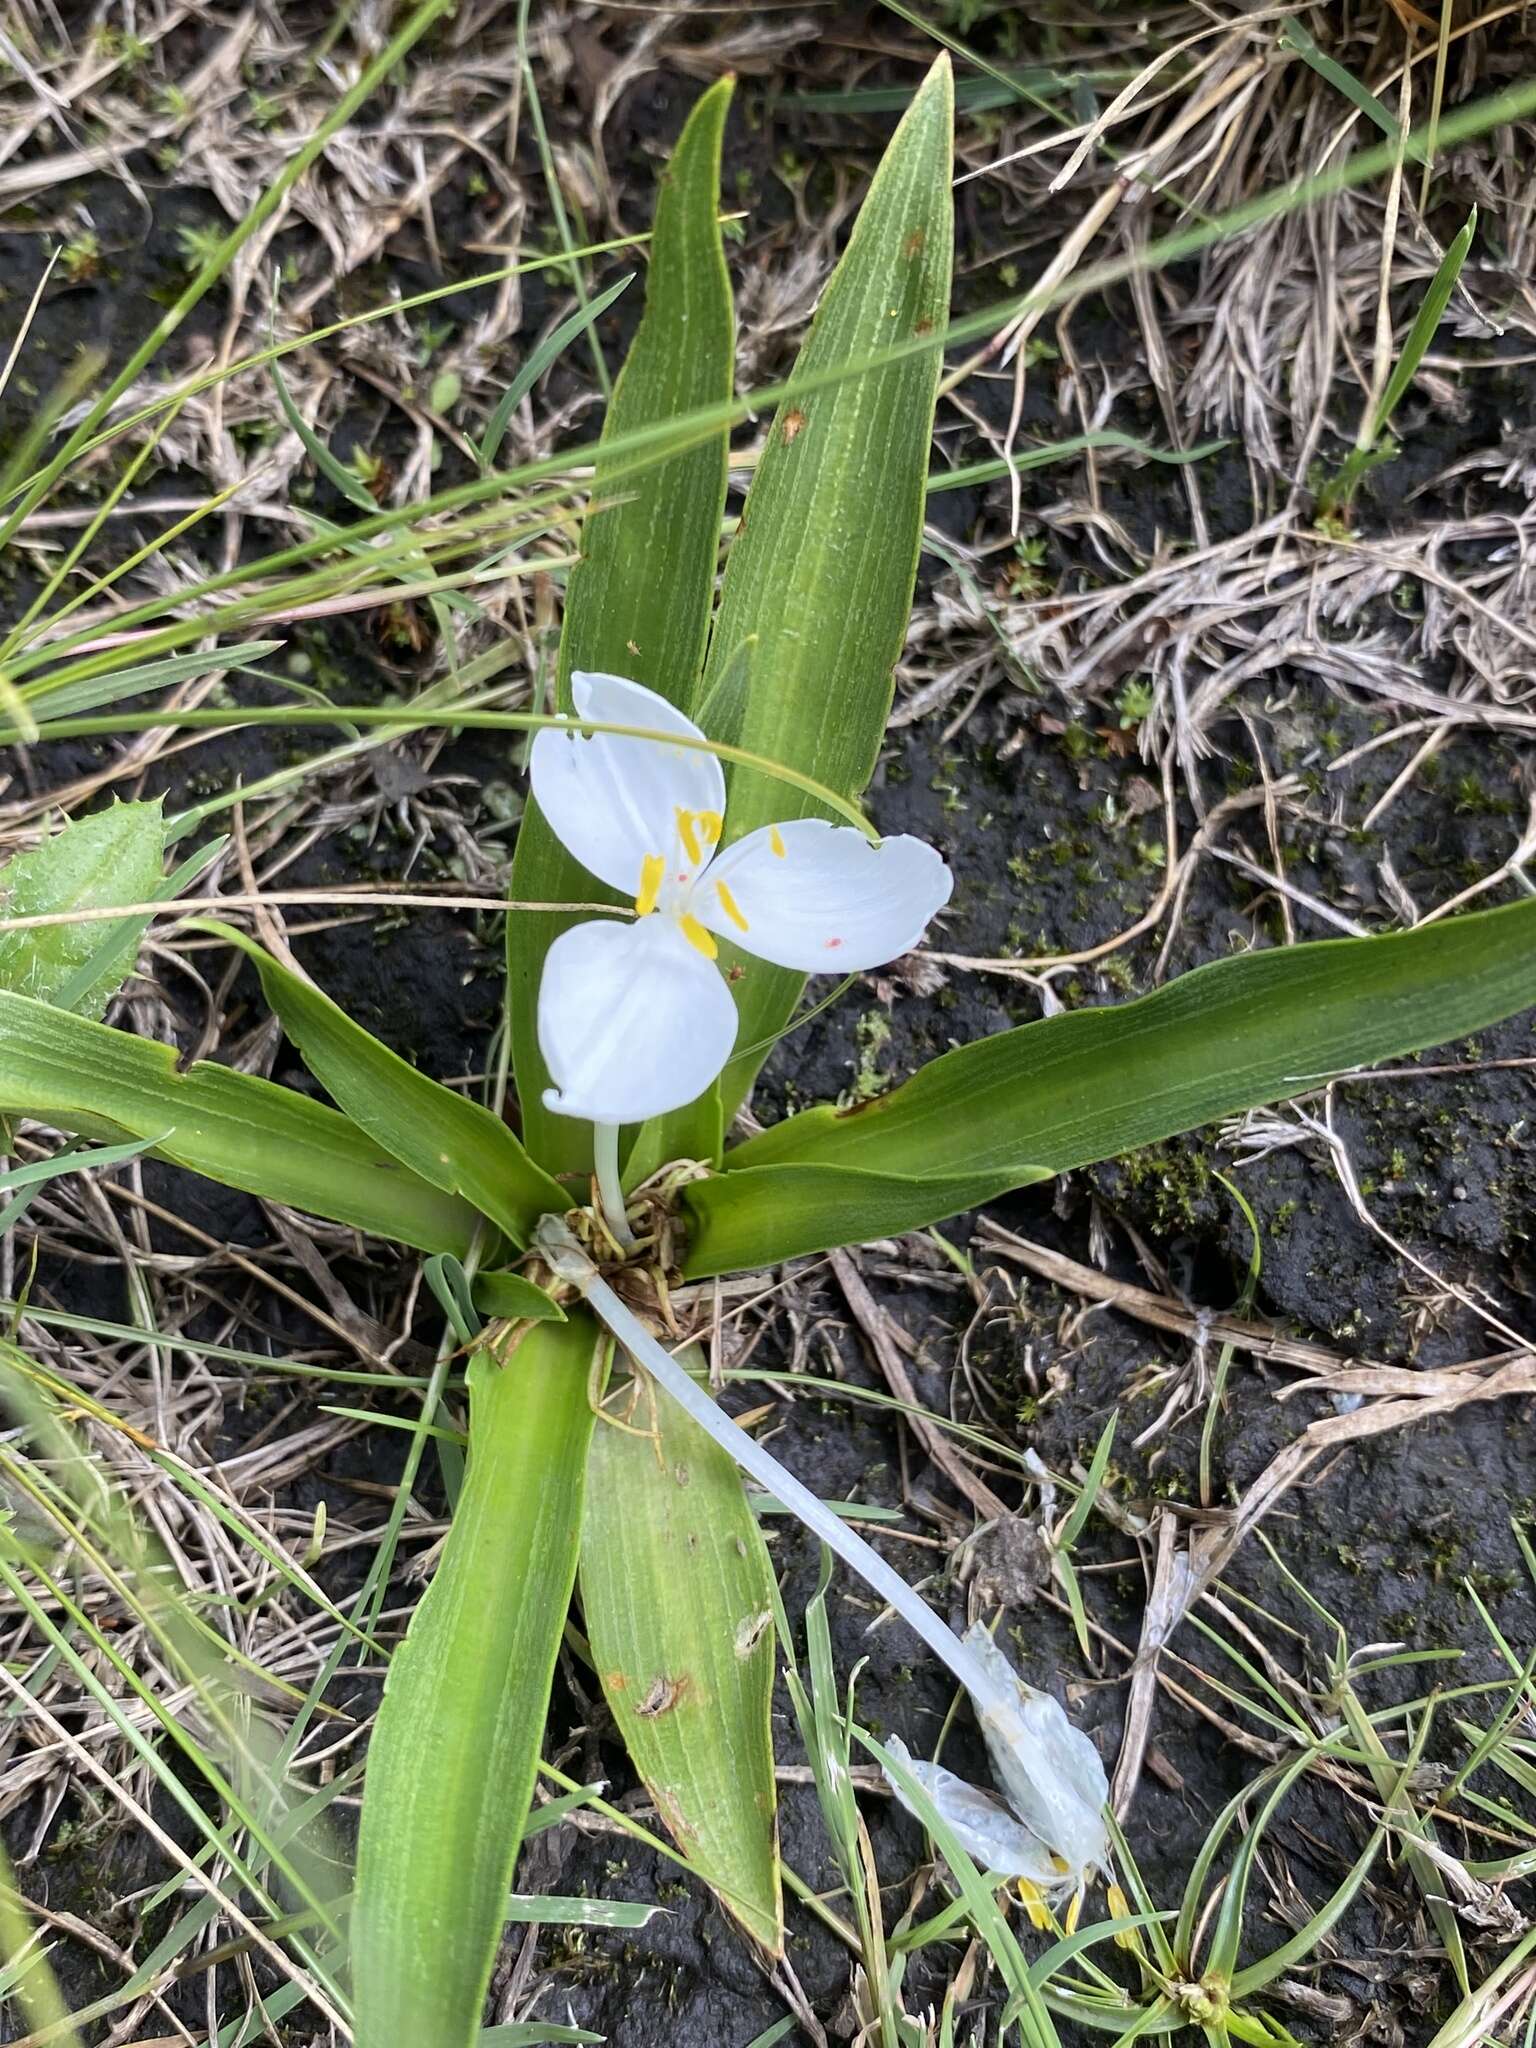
831 943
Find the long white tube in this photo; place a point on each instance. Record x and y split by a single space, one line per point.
571 1264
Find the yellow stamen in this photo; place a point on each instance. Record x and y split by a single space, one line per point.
696 935
712 825
1120 1909
776 841
1034 1903
1076 1907
732 910
689 837
652 869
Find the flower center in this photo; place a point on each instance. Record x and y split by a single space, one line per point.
668 888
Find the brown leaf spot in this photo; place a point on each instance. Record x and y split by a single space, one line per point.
662 1698
913 245
794 422
924 326
750 1631
616 1681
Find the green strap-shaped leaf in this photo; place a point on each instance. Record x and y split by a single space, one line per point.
245 1132
1092 1084
677 1594
455 1144
453 1755
819 579
638 601
95 863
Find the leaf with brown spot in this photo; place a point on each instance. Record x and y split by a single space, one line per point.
677 1595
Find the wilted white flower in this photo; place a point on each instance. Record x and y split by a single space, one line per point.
1055 1836
635 1018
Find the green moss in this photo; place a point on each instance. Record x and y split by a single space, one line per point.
1175 1178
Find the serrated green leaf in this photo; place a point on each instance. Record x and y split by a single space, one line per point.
1093 1084
454 1752
677 1596
248 1133
112 857
454 1143
638 601
819 578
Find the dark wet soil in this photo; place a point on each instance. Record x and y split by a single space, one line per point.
1056 848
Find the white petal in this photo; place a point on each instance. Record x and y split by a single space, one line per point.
821 898
1051 1772
612 801
633 1020
987 1831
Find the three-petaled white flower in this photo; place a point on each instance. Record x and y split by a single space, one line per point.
1052 1776
635 1019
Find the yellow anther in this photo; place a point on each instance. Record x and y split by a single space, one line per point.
697 936
1034 1903
776 841
711 824
652 868
731 908
1076 1907
1120 1909
689 836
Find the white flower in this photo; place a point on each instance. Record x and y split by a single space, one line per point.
636 1019
1051 1773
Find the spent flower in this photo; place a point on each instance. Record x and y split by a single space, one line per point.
1055 1835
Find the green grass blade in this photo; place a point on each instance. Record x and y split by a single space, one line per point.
111 857
347 481
453 1757
1093 1084
1072 1528
48 701
638 601
538 362
820 574
1370 452
1295 37
252 1134
677 1596
22 1183
536 2034
454 1143
1425 323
